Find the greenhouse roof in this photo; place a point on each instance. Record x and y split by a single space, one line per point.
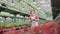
24 6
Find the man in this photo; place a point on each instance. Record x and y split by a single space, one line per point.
33 18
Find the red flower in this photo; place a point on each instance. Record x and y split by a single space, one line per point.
12 28
20 31
47 29
31 31
1 31
36 29
58 28
3 27
25 28
42 25
52 23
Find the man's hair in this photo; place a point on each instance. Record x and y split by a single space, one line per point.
32 10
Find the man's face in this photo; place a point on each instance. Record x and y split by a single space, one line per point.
32 12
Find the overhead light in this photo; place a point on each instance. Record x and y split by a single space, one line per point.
34 2
22 8
18 15
13 3
39 8
2 21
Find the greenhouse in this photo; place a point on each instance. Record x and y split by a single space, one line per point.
29 17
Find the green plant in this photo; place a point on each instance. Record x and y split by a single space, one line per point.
16 24
41 13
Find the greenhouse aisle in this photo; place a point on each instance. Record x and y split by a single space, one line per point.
29 17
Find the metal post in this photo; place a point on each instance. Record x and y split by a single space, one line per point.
14 17
5 19
24 18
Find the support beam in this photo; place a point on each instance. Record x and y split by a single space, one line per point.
5 19
24 18
55 7
55 13
14 17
